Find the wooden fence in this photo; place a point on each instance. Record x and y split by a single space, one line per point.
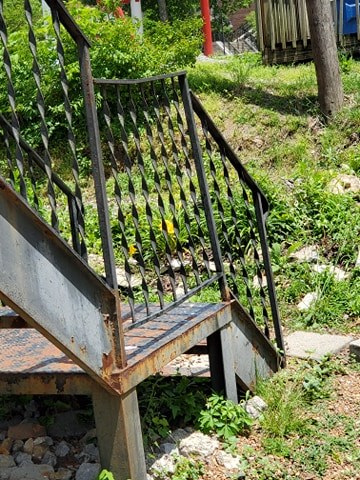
283 29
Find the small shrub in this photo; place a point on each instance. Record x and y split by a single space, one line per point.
170 402
284 415
105 475
225 418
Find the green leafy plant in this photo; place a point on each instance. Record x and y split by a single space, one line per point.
284 414
170 402
225 418
316 379
105 475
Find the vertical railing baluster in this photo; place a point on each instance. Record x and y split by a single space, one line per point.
161 203
118 197
183 196
43 124
9 160
260 216
97 163
78 222
133 195
153 157
170 181
100 191
204 189
12 102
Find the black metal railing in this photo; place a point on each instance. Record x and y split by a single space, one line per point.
177 214
163 230
238 41
28 147
185 213
240 209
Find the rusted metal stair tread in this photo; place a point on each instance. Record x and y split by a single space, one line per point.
150 346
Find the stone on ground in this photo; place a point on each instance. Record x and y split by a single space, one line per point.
25 430
344 183
31 472
308 253
307 301
314 345
88 471
355 350
199 445
254 406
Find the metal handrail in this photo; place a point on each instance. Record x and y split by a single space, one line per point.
229 152
261 206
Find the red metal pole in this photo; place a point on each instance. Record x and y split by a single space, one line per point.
205 13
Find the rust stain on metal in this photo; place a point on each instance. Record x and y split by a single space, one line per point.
107 363
27 353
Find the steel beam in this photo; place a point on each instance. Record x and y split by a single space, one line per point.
119 434
254 355
53 290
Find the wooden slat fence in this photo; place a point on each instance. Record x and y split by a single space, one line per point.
283 28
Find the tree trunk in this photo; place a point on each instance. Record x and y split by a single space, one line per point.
163 14
323 42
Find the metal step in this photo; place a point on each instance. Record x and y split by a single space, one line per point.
32 364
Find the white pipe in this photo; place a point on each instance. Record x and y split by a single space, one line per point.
136 14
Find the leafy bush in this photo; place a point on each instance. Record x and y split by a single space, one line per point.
170 402
117 52
225 418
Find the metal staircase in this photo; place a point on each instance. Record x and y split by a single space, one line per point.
183 255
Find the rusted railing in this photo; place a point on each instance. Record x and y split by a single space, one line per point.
241 209
184 211
178 215
28 145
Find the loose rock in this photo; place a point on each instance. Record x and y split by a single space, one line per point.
307 301
6 461
88 471
227 460
26 430
344 183
199 445
62 449
306 254
254 406
338 273
31 472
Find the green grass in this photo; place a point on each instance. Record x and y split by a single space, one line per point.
270 116
301 435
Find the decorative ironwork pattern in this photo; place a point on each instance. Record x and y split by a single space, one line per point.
160 231
240 210
30 138
11 99
78 203
178 214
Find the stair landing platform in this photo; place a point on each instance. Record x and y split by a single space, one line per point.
30 363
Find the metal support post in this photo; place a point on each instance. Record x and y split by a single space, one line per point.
119 434
222 363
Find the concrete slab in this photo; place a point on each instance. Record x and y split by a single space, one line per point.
314 345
